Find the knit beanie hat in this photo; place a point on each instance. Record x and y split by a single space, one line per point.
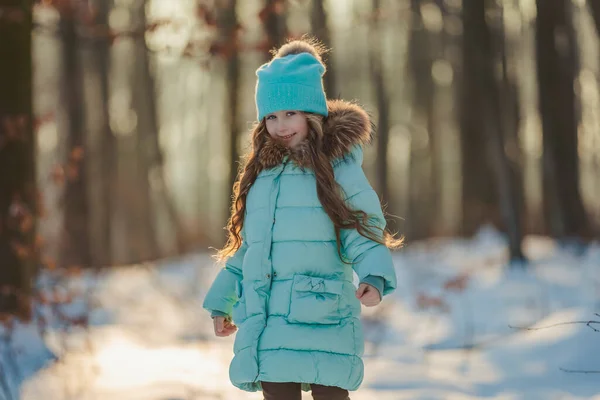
292 80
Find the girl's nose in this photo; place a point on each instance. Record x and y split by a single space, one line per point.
282 129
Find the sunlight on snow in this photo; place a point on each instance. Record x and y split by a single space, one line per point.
124 363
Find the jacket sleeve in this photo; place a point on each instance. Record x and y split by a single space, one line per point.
222 294
369 258
376 281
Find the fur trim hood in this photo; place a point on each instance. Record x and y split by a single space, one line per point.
347 125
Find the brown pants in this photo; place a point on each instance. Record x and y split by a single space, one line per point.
292 391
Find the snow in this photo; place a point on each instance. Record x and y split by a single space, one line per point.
462 325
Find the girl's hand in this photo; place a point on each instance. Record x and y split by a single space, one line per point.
368 295
223 326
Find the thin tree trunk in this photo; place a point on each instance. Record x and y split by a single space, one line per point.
479 195
422 208
154 154
228 23
320 29
275 23
478 46
18 191
383 105
595 11
510 114
108 145
76 246
556 67
594 6
152 159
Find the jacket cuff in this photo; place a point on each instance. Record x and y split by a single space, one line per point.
376 281
216 313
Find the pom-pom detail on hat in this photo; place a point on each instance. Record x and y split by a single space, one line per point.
305 45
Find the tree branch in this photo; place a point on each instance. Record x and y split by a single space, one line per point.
575 371
587 323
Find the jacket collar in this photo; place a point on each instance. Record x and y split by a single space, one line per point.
347 126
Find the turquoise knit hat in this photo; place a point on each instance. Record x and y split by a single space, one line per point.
291 82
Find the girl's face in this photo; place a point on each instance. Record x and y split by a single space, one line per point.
288 127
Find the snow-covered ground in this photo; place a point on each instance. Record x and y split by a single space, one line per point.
451 331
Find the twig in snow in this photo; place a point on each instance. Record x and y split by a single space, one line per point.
479 345
587 323
485 342
574 371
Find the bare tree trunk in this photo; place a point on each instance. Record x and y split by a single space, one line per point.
422 207
228 22
383 105
595 10
152 158
275 23
320 29
479 195
76 246
478 46
510 114
556 67
18 191
108 146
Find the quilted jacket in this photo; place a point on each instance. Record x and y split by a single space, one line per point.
286 288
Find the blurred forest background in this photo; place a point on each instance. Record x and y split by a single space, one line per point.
122 121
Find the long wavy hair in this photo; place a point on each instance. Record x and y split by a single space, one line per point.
328 190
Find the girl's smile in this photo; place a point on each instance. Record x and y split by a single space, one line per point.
287 137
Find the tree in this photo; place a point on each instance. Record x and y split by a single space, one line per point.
228 29
479 196
483 93
320 29
152 156
376 66
18 191
595 10
556 68
146 136
76 235
273 17
108 143
510 112
422 207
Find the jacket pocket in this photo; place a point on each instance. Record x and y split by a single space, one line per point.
315 300
238 313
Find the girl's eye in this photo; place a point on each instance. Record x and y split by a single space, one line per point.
271 117
290 113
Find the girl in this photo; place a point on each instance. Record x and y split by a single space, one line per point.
304 217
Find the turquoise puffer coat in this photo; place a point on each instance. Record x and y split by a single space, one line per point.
286 288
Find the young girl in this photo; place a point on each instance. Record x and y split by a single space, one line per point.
304 217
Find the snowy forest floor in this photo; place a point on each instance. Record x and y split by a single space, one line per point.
452 330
